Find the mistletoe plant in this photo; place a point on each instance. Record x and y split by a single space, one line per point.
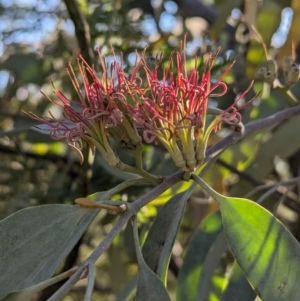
170 108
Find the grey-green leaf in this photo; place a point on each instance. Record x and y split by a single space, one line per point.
129 290
51 263
30 293
21 296
33 239
160 240
265 250
149 285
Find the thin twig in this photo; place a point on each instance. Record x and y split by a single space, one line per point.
82 30
14 131
281 200
146 175
270 192
252 128
241 174
132 209
42 285
273 186
90 285
64 289
124 185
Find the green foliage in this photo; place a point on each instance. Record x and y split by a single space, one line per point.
271 270
252 232
160 240
238 286
191 247
149 286
47 234
195 271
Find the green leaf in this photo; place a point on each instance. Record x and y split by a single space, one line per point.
265 250
30 293
262 163
204 240
160 240
149 286
238 287
180 187
50 264
207 286
33 241
129 290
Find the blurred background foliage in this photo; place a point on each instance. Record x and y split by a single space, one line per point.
37 40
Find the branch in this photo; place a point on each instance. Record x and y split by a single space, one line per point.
241 174
82 33
251 128
71 282
82 30
132 209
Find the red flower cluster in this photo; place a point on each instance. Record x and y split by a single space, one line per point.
171 109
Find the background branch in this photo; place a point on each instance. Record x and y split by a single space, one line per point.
82 30
252 128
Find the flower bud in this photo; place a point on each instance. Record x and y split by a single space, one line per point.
271 66
287 61
269 77
261 73
293 75
268 74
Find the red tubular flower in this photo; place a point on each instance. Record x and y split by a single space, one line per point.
102 110
173 109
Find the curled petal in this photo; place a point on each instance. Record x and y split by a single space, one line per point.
81 158
137 81
87 113
111 121
160 128
80 129
58 134
150 139
217 85
194 122
119 97
72 137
